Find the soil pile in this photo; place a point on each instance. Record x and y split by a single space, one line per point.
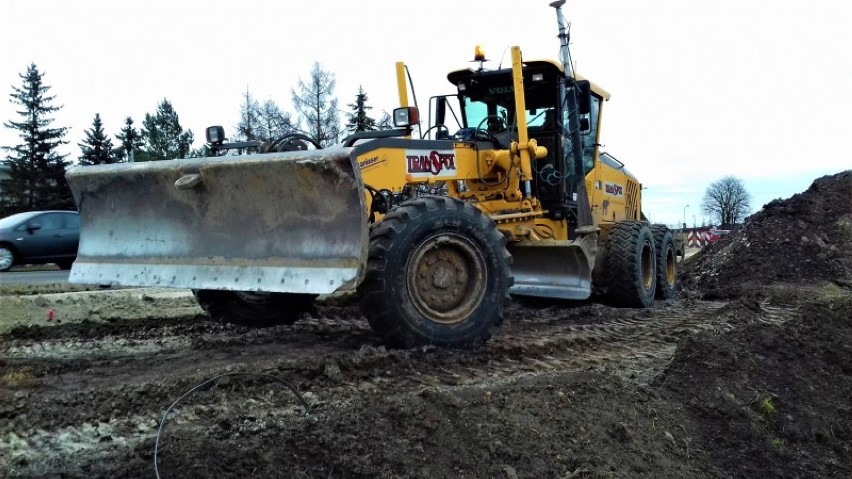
771 400
754 385
805 239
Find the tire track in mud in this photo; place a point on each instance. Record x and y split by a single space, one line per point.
545 344
129 372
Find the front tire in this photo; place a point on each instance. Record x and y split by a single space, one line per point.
437 274
666 256
630 265
65 264
7 258
253 309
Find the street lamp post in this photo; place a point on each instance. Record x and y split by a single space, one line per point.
684 216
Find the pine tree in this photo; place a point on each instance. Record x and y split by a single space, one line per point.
163 136
318 107
358 119
96 149
130 140
37 169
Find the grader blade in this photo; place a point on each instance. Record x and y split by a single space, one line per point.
552 269
285 222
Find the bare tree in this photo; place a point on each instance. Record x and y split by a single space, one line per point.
273 123
727 200
249 114
385 122
316 103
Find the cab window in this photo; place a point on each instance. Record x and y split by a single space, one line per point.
478 116
590 133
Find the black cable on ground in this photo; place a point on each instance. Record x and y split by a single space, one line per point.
209 382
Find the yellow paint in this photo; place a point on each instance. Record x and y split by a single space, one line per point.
492 179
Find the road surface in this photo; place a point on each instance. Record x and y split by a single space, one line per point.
33 277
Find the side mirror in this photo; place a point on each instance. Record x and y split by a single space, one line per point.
33 227
584 96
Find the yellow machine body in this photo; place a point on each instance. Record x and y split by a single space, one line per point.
502 191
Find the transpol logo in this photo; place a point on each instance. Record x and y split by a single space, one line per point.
433 162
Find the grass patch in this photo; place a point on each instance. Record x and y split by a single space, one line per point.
767 407
20 379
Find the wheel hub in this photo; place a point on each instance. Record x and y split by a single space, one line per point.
647 265
5 258
443 277
671 268
447 284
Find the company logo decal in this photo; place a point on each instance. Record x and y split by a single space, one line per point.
501 89
430 163
613 189
364 164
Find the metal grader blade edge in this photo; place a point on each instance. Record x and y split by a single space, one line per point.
280 222
552 269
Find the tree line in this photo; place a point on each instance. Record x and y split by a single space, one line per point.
37 168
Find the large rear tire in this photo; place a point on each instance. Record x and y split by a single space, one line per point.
438 273
666 256
253 309
630 265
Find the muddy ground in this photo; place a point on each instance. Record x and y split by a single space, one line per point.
752 381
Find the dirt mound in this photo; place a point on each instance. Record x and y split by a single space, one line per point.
773 400
555 425
805 239
753 386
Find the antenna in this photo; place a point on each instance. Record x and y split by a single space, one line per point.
564 38
571 129
503 56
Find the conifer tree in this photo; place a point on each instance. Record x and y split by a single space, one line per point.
96 148
37 168
163 136
359 120
130 141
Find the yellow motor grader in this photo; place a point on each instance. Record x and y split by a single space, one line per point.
433 231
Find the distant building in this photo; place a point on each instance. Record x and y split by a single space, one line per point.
5 177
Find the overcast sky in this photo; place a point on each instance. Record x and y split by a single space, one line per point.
758 89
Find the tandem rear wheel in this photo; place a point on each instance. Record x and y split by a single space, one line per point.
630 265
666 257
